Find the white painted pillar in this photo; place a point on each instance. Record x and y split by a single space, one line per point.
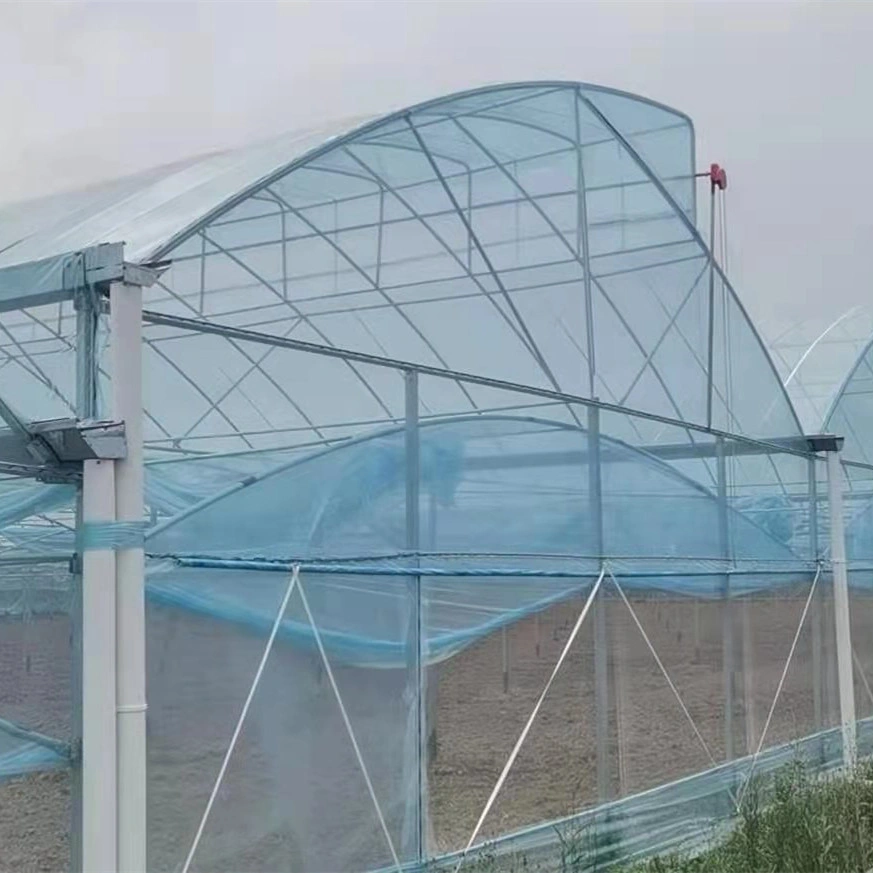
98 817
126 324
841 608
816 610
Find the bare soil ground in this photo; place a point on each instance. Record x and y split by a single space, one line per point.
294 798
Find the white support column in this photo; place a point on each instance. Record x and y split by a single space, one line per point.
98 816
86 407
841 608
816 612
126 323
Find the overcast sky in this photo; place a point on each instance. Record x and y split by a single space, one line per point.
780 94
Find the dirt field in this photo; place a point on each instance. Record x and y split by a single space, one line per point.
294 798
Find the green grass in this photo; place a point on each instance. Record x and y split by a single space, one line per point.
806 826
790 822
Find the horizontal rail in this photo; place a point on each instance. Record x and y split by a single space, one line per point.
795 445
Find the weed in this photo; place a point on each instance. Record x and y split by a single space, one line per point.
789 821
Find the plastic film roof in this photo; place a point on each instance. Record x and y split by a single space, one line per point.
540 233
814 357
826 366
147 209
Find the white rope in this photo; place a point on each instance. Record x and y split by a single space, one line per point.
348 724
523 735
779 687
663 670
242 717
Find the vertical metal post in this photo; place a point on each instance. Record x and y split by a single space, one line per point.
504 651
86 407
750 718
416 670
469 219
202 275
432 521
284 231
87 320
582 250
727 650
751 722
842 625
514 173
619 690
601 638
379 235
99 785
816 605
710 351
432 674
335 246
595 494
126 323
538 634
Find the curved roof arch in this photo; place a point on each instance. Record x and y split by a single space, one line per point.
825 363
352 131
851 410
815 355
158 208
543 233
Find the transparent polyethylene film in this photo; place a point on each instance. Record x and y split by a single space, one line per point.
539 235
483 472
859 546
861 614
450 530
856 482
38 359
35 519
36 714
814 356
852 412
37 723
299 793
296 791
503 500
686 685
446 562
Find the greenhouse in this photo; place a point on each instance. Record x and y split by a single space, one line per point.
392 494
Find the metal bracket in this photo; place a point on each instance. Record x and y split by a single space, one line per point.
53 451
825 442
73 441
144 275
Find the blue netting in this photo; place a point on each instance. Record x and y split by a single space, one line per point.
510 532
